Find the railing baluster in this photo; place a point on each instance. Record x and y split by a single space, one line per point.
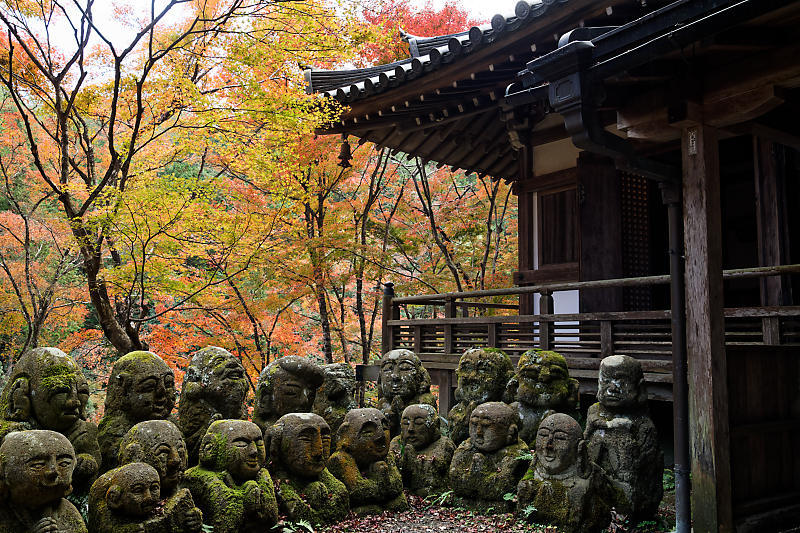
545 327
771 330
417 339
491 340
606 338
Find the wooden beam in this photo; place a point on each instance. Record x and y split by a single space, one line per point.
705 325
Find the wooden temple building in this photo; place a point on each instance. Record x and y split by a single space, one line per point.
654 148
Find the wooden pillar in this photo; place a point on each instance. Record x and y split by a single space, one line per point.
387 313
525 245
705 331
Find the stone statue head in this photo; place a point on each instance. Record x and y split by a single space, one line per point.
339 385
36 468
287 385
46 388
364 434
301 443
134 490
219 376
557 444
402 374
620 384
420 425
158 443
542 380
492 426
482 375
235 447
141 386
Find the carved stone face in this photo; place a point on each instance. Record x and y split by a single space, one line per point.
543 379
491 426
60 391
220 373
340 382
158 443
37 467
141 385
288 385
364 434
400 374
482 375
419 425
135 490
236 446
557 443
304 443
620 382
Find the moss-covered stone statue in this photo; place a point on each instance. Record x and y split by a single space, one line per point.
335 396
214 388
490 463
35 475
402 381
127 499
47 390
286 385
363 463
561 487
541 387
299 451
231 485
482 377
621 437
141 387
422 454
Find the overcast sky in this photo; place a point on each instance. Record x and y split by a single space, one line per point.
484 9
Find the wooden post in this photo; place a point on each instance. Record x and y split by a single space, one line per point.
417 339
606 338
492 335
387 313
525 245
545 328
705 330
449 312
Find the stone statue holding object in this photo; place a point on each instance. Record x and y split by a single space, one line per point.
363 463
541 387
490 463
621 437
47 390
35 476
299 452
335 396
286 385
214 388
231 484
402 381
141 387
561 487
482 377
422 454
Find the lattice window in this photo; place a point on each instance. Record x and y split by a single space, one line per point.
636 240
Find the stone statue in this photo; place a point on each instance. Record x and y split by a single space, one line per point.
231 484
422 454
286 385
490 463
127 499
299 451
47 390
560 487
362 462
621 438
541 387
141 387
482 377
214 388
335 396
402 381
35 475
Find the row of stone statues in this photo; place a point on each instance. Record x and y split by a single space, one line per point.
319 466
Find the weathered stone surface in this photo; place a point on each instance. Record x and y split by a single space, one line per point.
127 499
561 487
621 437
489 463
335 396
541 387
214 388
35 475
422 454
402 381
47 390
482 377
158 443
286 385
299 451
363 464
141 387
231 484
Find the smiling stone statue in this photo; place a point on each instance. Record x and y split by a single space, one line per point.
335 396
141 387
402 381
286 385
